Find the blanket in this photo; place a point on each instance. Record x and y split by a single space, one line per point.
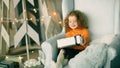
94 56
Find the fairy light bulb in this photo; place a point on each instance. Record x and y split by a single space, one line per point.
1 19
31 19
26 19
35 10
59 22
54 13
20 57
13 23
32 51
6 57
15 20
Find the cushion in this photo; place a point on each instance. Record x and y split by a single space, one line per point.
105 39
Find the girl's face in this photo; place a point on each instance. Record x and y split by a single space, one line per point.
72 22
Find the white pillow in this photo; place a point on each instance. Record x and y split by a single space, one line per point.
105 39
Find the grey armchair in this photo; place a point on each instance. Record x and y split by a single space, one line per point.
50 49
98 15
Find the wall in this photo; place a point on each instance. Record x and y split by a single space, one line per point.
101 16
67 6
117 17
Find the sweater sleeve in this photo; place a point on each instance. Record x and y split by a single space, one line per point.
85 35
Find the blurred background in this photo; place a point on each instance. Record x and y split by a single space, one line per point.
43 16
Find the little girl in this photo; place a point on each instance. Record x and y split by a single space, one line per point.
74 25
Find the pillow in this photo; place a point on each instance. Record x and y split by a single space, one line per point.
105 39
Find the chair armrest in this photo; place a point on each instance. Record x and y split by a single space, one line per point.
115 55
50 49
113 59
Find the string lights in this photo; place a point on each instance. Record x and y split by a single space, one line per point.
16 20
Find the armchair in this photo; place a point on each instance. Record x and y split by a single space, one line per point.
50 49
100 14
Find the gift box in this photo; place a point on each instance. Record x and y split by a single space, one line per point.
70 41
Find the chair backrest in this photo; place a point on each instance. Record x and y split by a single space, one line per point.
103 15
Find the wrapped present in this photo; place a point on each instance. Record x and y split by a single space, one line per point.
70 41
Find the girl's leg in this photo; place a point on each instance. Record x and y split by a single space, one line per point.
60 59
70 53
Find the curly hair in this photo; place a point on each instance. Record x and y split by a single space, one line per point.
80 19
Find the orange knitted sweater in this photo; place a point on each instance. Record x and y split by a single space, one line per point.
79 31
